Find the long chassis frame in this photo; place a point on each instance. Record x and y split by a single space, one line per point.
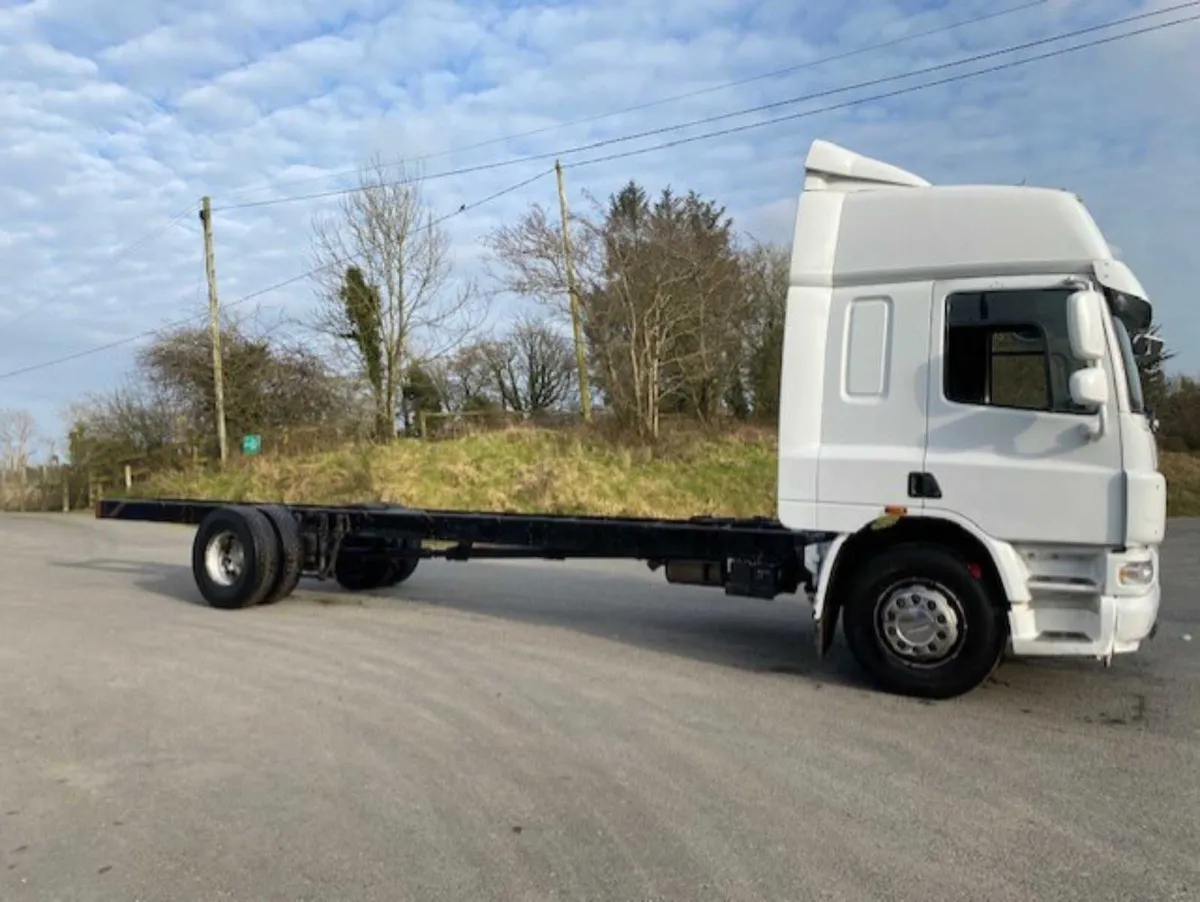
756 557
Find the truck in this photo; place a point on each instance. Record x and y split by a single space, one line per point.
967 469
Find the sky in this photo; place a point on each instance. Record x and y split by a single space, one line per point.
115 118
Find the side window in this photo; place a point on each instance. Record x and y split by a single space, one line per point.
1009 349
1018 377
868 347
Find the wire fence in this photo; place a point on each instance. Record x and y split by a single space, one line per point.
45 488
441 426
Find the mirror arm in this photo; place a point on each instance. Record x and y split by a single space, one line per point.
1097 428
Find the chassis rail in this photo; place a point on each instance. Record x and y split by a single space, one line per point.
372 545
708 538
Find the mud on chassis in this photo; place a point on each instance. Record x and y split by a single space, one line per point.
921 616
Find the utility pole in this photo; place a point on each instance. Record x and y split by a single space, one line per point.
585 393
214 311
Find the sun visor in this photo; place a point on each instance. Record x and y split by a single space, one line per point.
1115 275
1134 306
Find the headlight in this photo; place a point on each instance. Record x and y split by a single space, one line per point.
1136 573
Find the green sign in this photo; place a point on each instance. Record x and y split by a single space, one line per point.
251 444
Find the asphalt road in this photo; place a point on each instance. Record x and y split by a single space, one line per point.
551 731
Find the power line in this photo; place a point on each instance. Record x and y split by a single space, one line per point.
887 95
775 73
176 220
260 292
735 129
123 252
594 145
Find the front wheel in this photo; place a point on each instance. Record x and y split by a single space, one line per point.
921 621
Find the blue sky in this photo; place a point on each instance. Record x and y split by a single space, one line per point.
115 118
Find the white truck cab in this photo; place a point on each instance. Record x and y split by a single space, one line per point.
961 406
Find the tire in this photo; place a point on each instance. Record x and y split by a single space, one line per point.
291 555
357 572
951 648
362 564
235 557
404 561
367 562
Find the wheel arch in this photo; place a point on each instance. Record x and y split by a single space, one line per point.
998 565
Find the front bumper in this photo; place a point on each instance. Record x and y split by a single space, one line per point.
1120 615
1136 619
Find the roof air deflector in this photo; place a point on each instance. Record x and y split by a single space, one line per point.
830 166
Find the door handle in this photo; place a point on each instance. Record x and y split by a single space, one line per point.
923 485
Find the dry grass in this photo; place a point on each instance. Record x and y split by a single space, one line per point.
551 471
1183 483
524 470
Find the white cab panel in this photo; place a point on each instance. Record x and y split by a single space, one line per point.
1019 464
873 424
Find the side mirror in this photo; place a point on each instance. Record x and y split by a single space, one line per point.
1147 346
1085 325
1089 387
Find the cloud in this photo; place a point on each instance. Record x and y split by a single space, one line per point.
118 117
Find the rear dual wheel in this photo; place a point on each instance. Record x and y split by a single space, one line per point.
243 556
366 563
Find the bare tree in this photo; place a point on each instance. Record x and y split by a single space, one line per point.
399 305
661 295
662 322
137 423
703 356
527 258
765 278
462 380
532 369
270 385
17 429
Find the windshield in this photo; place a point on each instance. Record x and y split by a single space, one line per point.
1133 376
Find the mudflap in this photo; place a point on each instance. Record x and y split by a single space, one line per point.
820 562
826 625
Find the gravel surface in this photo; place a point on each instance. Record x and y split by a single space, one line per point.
520 731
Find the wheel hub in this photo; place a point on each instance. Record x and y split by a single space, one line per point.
920 623
225 559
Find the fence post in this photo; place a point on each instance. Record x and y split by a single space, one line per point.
23 487
66 489
128 477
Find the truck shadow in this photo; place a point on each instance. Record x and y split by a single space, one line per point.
625 604
166 580
619 604
634 607
628 604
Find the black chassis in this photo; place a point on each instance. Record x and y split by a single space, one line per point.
757 558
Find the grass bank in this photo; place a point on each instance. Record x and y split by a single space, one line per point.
550 471
523 470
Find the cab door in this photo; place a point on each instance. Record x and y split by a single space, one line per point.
873 410
1007 448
